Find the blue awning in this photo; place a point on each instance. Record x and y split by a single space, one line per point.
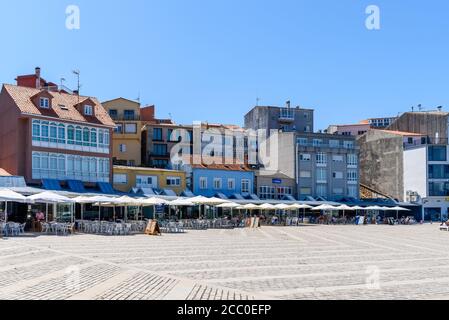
168 192
76 186
106 188
51 184
221 196
188 194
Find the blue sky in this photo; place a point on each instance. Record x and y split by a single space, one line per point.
210 59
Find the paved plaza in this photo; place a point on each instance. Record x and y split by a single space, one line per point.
309 262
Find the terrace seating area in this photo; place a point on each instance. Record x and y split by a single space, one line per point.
59 229
12 229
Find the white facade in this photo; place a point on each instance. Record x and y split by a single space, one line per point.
426 179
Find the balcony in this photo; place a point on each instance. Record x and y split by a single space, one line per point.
125 117
287 115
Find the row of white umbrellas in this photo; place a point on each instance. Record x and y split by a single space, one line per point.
48 197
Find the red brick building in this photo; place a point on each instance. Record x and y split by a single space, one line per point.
51 134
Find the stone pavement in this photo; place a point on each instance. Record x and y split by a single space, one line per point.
309 262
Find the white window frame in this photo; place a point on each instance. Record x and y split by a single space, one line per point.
203 183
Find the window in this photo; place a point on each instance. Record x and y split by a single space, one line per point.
71 135
113 114
305 191
317 142
245 186
93 137
62 167
44 131
438 171
36 130
305 174
122 148
53 132
157 134
61 133
321 190
321 158
118 128
217 183
353 191
88 110
334 143
337 158
120 178
303 141
79 136
352 175
305 157
231 184
337 175
307 129
437 153
129 115
203 183
160 163
130 128
86 136
173 181
267 192
353 159
321 175
44 103
160 149
338 191
143 181
348 144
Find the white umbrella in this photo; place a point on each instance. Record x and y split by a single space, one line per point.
344 208
302 206
200 200
7 195
102 200
324 207
48 197
82 200
181 202
267 206
229 205
397 209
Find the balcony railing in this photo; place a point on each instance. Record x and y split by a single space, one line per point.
125 117
332 146
287 115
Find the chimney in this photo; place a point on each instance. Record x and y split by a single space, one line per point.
38 77
440 108
288 104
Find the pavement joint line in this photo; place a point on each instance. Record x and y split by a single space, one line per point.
97 290
192 282
31 282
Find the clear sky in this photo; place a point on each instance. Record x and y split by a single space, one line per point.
210 59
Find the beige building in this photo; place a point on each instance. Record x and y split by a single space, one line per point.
126 139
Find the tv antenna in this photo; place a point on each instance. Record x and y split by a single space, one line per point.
77 73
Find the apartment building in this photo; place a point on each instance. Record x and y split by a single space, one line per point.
285 119
355 130
48 133
149 181
129 120
327 166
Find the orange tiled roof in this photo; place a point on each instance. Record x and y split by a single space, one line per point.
4 173
22 97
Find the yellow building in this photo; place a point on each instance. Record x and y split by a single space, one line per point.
127 136
148 179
